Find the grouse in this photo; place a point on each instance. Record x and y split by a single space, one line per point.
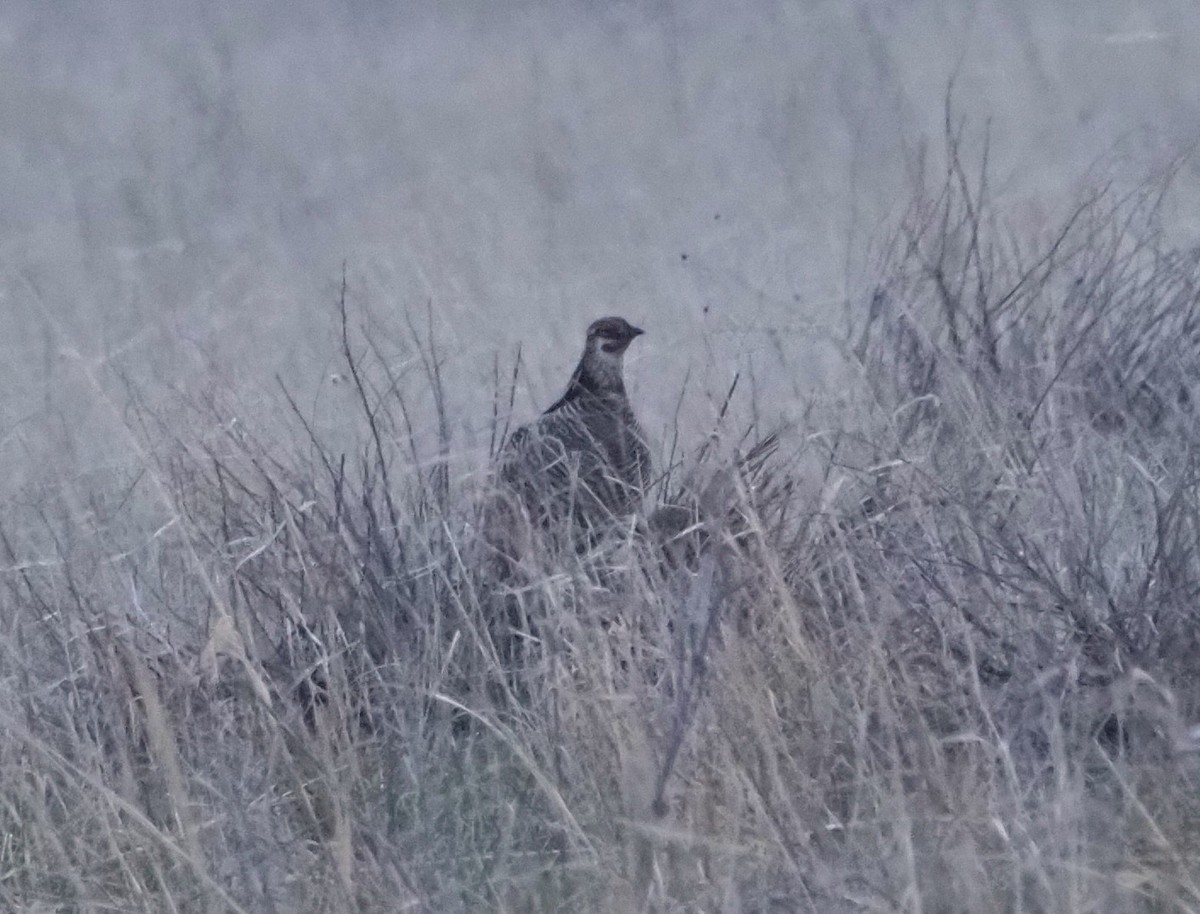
585 459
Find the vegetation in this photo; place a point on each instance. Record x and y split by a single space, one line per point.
934 649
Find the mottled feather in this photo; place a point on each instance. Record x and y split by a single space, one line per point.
585 458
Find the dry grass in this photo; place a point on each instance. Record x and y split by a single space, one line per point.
280 675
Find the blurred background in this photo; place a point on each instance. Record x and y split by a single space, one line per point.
182 184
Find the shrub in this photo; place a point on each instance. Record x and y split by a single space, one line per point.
275 670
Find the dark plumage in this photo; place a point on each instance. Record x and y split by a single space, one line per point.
585 458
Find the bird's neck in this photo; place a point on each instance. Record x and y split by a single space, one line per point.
595 376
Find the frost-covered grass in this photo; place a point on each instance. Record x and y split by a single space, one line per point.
933 648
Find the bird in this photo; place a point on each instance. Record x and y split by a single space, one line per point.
583 462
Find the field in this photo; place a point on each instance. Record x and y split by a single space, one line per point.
908 624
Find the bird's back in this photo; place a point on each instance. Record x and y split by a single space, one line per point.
584 458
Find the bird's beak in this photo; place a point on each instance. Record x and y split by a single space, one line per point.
635 331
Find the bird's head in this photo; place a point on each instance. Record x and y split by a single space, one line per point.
609 337
601 369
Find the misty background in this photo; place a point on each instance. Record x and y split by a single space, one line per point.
182 184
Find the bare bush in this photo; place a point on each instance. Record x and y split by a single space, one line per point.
271 671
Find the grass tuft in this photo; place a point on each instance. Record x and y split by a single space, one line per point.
284 672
